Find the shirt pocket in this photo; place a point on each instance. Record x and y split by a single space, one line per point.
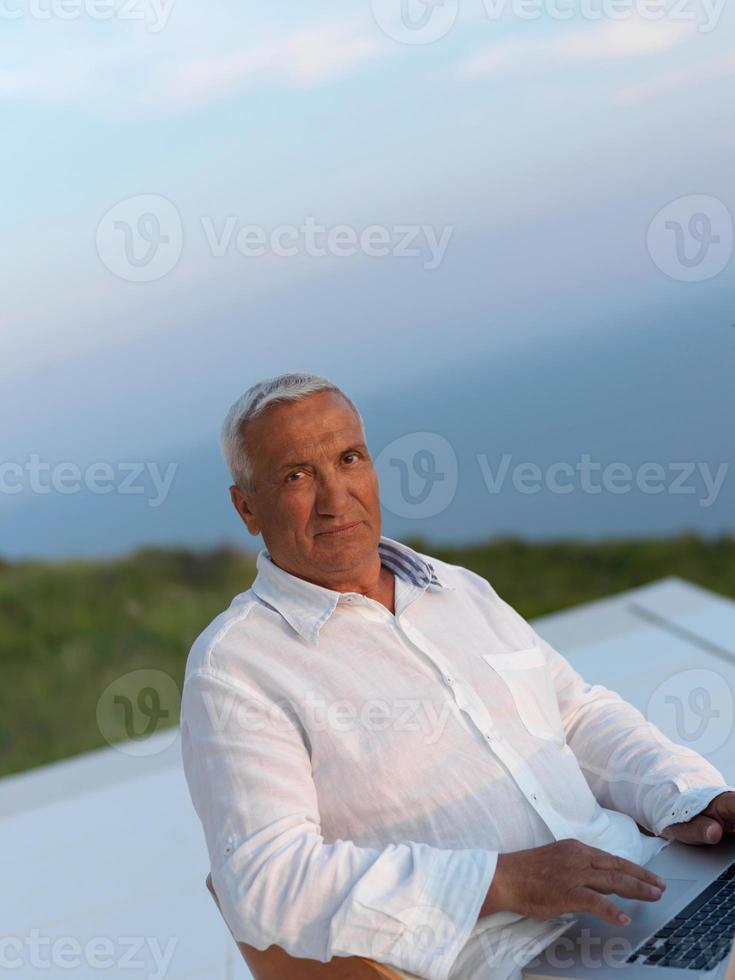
526 675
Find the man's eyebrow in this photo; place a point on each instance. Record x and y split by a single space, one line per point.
351 448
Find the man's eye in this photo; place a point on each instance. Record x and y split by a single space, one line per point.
352 454
295 473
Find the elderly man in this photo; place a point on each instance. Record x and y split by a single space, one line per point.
386 759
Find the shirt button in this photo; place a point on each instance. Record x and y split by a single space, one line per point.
534 797
448 679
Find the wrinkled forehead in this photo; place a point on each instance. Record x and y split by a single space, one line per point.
282 437
315 445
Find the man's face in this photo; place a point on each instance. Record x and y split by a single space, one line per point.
312 474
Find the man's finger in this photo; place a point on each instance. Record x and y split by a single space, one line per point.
700 830
604 861
722 808
588 900
625 885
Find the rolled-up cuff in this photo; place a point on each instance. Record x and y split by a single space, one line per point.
684 805
446 915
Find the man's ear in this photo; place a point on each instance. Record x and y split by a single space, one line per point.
241 505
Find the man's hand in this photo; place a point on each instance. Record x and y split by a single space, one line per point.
708 826
568 876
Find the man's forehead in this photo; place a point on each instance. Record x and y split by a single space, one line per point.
291 444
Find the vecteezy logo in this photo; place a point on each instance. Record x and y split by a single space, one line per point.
691 239
693 708
415 21
148 702
417 475
140 239
135 707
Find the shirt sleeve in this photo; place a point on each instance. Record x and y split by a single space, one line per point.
278 881
628 762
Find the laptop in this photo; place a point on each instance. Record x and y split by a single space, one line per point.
730 975
688 932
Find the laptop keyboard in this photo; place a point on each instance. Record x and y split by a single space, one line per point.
701 935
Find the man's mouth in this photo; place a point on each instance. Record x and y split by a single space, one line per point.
340 530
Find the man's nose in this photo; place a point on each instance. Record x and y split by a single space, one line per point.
332 496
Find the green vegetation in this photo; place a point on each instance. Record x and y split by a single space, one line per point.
69 630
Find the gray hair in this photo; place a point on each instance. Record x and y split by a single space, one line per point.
285 387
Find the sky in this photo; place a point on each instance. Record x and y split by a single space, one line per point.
487 181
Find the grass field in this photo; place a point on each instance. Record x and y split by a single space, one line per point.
70 629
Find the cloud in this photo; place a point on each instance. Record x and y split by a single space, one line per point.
665 83
625 39
58 78
306 58
124 69
615 40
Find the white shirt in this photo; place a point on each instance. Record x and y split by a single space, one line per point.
357 773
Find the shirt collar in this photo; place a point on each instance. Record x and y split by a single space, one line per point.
307 606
